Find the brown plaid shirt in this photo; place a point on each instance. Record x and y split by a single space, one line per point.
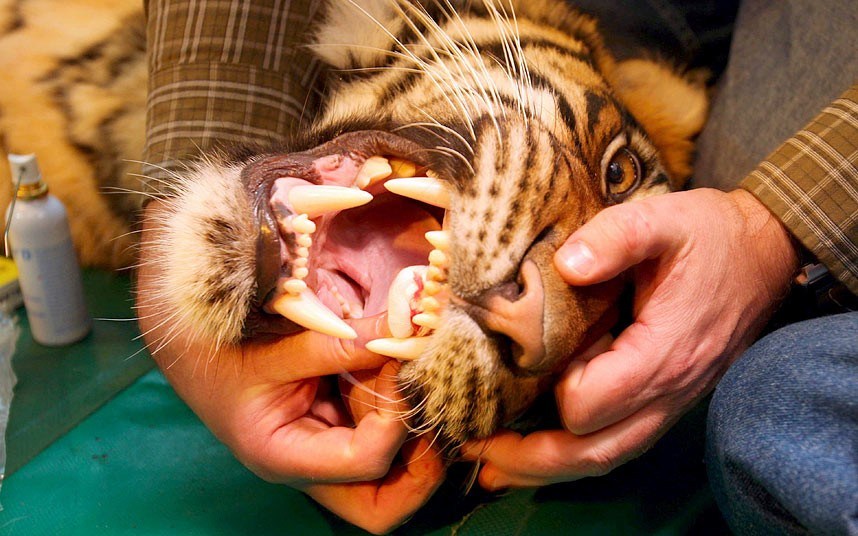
231 72
224 72
811 184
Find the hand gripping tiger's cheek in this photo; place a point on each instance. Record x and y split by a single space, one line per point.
436 188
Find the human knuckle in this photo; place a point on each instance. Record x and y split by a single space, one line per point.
598 461
577 416
634 225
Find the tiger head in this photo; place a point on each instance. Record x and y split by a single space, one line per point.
506 125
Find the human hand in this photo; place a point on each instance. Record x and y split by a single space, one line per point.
274 402
708 269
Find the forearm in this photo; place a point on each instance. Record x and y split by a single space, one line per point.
811 184
232 74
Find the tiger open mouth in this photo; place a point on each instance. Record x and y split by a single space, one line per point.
346 230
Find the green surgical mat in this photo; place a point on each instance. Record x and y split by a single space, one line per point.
142 463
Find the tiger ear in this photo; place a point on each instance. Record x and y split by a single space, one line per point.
671 107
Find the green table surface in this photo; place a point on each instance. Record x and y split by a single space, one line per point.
100 449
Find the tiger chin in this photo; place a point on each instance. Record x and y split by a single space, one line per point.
456 153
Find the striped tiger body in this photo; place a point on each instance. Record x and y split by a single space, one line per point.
74 93
523 126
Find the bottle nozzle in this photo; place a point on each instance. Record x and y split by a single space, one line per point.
25 169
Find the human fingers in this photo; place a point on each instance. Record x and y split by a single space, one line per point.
547 457
612 385
616 239
380 506
309 450
371 390
309 353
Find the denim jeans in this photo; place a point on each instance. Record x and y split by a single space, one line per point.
782 437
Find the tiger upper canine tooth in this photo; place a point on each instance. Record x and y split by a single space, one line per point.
307 311
373 170
407 349
439 239
425 189
316 200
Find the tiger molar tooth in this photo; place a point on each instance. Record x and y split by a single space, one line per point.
307 311
424 189
316 200
373 170
407 349
402 168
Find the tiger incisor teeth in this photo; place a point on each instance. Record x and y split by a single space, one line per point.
424 189
407 349
316 200
294 286
436 274
302 224
305 309
439 239
375 168
438 258
427 320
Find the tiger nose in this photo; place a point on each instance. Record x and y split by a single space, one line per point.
515 312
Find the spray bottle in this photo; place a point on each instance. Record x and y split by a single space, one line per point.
38 231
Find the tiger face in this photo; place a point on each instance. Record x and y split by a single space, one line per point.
494 131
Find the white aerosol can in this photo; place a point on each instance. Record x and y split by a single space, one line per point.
37 229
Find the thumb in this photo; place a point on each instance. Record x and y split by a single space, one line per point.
616 239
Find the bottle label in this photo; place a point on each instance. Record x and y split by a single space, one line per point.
53 293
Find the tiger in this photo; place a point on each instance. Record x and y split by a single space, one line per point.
495 129
459 144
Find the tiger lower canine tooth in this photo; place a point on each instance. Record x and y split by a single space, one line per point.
402 349
374 169
307 311
316 200
425 189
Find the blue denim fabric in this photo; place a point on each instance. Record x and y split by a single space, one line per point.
782 436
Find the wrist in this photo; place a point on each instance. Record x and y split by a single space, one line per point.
772 243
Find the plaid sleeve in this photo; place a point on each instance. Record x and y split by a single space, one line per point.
224 72
811 183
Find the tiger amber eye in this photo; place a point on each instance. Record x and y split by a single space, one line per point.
623 171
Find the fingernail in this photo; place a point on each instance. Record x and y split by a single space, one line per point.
577 257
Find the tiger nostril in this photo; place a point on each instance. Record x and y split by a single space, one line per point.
514 313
